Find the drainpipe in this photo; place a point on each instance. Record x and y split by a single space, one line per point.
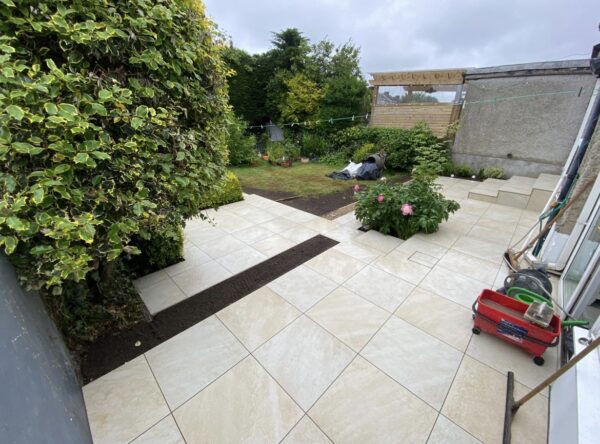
584 141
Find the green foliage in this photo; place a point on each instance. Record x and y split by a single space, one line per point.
161 245
228 190
463 171
492 173
111 113
403 210
302 100
283 150
363 151
335 158
242 147
314 145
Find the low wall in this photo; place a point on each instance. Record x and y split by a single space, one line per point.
523 118
40 397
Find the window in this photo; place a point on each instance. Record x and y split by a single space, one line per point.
394 95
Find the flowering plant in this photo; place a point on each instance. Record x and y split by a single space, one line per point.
403 210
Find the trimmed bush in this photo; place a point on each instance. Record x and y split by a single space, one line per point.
492 173
242 147
403 210
229 190
362 152
463 171
314 145
161 245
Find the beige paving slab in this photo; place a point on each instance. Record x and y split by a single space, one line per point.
438 316
242 259
304 359
474 207
193 256
379 287
476 404
374 239
256 318
506 357
399 265
232 223
280 209
161 295
482 249
273 245
204 234
343 234
253 234
444 236
358 251
302 287
201 277
222 246
300 217
366 406
490 235
188 362
470 266
494 224
423 259
352 319
279 224
124 403
320 225
244 405
453 286
336 265
446 432
150 280
418 361
420 244
165 432
298 234
306 432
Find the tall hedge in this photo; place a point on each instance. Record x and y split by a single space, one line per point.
111 114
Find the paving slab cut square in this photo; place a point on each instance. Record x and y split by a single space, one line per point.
188 362
304 359
418 361
244 405
366 406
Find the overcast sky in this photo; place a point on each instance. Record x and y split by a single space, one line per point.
399 35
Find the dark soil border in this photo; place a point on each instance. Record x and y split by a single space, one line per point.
109 352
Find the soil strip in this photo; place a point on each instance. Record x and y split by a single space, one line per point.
109 352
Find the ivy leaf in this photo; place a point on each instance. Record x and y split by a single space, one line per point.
62 168
98 108
100 155
104 95
38 196
10 244
136 122
141 111
67 109
81 158
16 112
51 108
86 233
16 224
26 148
41 249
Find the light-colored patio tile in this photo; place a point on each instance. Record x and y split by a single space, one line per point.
476 403
444 236
304 359
241 259
473 207
470 266
458 226
232 223
281 210
446 432
490 235
298 234
254 319
150 280
279 224
261 202
201 277
444 319
358 251
482 249
273 245
423 259
352 319
453 286
300 217
335 265
366 406
124 403
463 217
199 236
418 361
165 432
193 256
420 244
306 432
382 242
503 213
244 405
222 247
302 287
504 357
253 234
162 295
380 287
498 225
346 218
399 265
188 362
320 225
342 233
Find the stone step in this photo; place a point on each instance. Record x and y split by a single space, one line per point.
542 191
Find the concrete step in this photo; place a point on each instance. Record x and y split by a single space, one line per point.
542 191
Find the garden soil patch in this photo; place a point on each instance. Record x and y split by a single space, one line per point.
109 352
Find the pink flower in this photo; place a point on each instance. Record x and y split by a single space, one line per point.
406 209
380 198
356 188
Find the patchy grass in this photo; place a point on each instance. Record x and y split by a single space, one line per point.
304 180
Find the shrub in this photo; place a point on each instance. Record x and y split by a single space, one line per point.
403 210
362 152
111 114
314 145
492 173
242 147
431 158
228 190
463 171
334 158
280 150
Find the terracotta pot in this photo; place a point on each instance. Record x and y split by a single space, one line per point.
265 157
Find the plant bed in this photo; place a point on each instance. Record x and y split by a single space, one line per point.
404 210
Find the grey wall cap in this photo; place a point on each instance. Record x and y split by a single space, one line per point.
559 67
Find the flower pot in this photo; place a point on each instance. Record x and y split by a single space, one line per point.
265 157
285 163
304 160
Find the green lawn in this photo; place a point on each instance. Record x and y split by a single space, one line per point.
305 180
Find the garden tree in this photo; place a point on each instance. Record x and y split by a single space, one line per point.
290 50
111 118
302 100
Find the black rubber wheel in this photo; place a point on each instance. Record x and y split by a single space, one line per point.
538 360
476 330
